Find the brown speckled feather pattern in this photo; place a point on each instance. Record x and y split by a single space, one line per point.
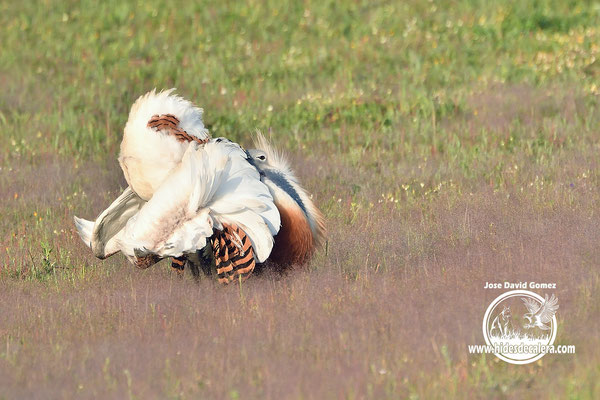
146 261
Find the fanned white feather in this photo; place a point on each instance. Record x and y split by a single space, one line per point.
84 230
102 235
214 184
190 190
147 157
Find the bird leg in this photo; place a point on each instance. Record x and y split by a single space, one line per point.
202 259
178 264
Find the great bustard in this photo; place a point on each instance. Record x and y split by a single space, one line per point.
201 200
185 190
213 196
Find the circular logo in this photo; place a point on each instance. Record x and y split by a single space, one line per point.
520 325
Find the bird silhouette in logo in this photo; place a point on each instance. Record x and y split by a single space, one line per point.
539 315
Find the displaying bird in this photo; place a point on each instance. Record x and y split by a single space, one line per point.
213 196
158 131
302 224
203 202
539 315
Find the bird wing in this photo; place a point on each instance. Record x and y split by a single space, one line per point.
243 200
532 305
213 186
170 224
548 309
84 230
100 235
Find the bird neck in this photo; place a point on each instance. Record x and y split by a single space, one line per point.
285 185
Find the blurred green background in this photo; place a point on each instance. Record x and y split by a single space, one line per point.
327 74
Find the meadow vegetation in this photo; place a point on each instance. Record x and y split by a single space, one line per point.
448 143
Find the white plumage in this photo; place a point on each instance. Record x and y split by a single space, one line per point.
212 185
148 156
103 236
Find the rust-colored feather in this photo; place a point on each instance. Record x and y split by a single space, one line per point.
294 243
178 264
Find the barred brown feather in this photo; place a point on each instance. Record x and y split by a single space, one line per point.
233 253
178 264
170 124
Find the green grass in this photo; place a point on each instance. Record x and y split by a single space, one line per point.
448 142
327 71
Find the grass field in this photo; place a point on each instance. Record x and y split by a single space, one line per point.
448 143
